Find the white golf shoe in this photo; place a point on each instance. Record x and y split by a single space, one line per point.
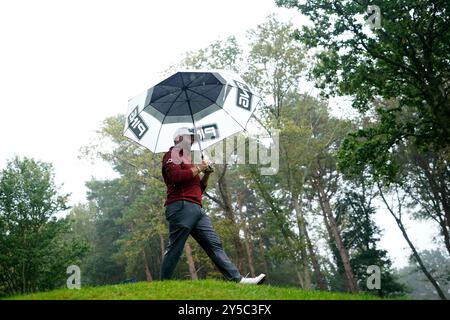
257 280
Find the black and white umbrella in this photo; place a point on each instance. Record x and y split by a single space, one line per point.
214 104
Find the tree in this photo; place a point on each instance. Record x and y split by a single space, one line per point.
34 249
396 211
398 78
111 198
314 138
146 229
406 59
418 286
275 63
221 54
275 67
415 177
123 224
425 177
399 72
361 235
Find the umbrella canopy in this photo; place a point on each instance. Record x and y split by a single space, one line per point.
214 104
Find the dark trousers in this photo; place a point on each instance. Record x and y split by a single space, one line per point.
187 218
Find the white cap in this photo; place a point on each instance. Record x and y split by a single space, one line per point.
185 131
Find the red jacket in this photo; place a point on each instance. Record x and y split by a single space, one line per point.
179 178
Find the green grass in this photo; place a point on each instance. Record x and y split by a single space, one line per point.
191 290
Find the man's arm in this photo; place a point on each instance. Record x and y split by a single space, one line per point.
177 175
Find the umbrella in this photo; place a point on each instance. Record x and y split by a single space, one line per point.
215 104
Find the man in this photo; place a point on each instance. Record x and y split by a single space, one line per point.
184 210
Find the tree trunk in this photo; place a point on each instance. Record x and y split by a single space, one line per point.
321 283
446 235
303 245
262 254
148 274
23 278
416 255
336 236
5 279
300 278
419 260
249 250
190 261
438 186
439 193
303 275
247 240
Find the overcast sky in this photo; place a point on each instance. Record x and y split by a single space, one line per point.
67 65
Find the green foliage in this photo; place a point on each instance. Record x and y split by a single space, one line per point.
111 198
144 223
397 75
221 54
373 146
354 213
275 62
405 59
128 211
35 250
418 286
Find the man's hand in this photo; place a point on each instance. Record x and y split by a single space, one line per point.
204 181
209 169
199 168
203 165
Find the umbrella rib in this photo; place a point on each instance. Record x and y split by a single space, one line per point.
207 91
171 86
219 107
162 122
200 84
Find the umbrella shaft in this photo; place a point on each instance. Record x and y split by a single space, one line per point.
193 122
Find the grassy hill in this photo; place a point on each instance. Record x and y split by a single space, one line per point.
191 290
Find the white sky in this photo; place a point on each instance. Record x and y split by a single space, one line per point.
67 65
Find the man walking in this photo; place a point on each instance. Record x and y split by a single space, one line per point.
184 210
